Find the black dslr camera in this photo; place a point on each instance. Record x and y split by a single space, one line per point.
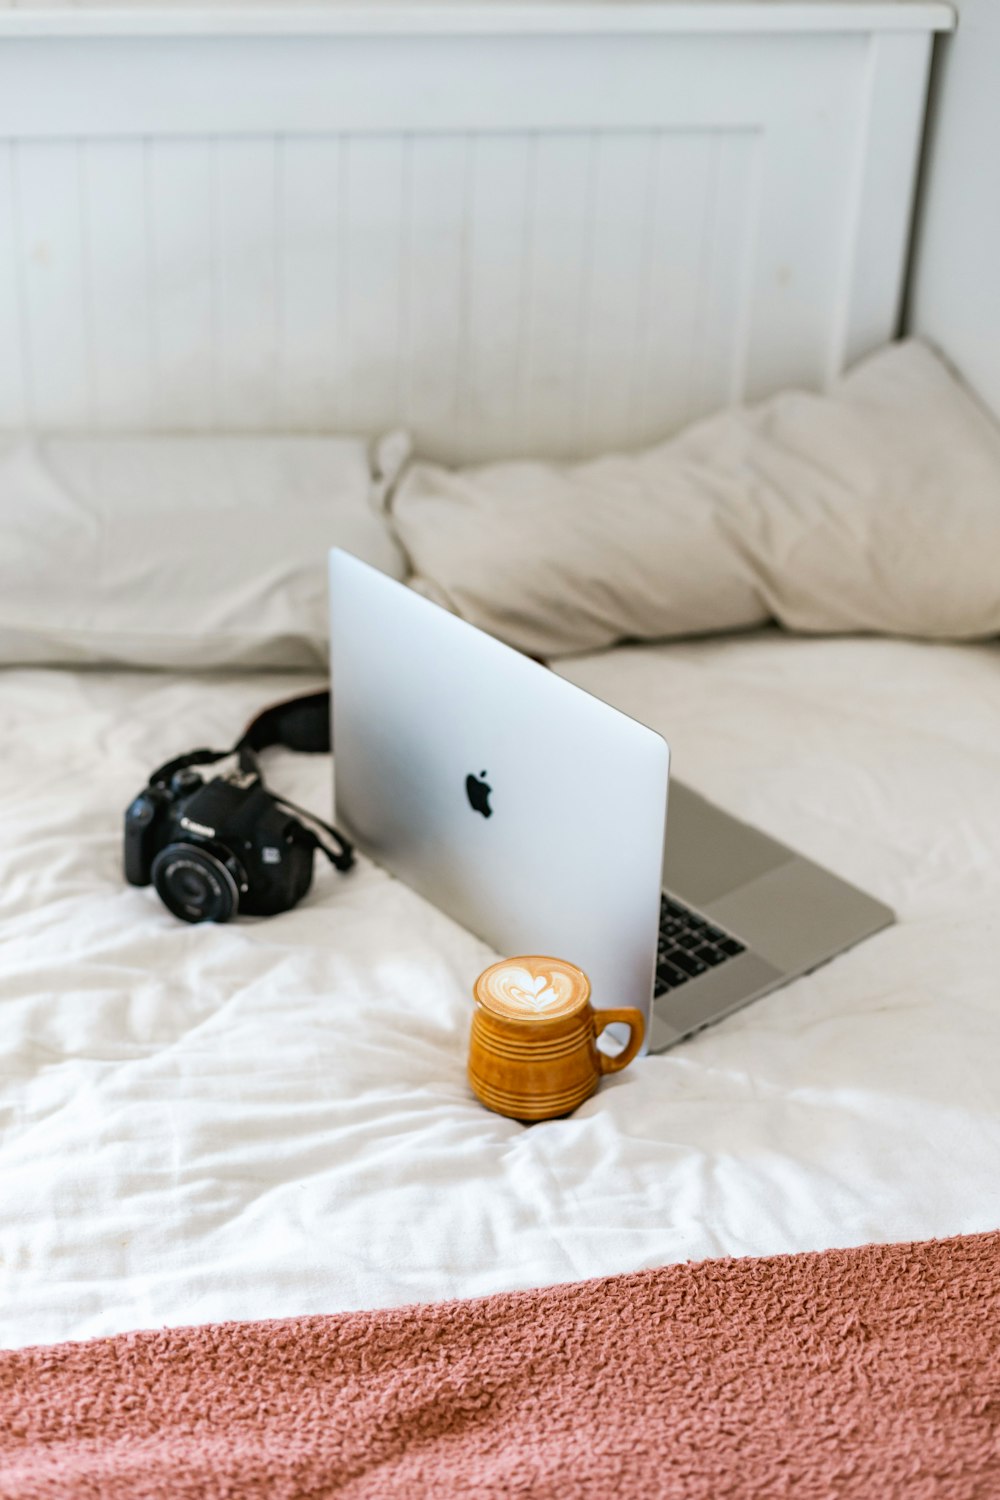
216 847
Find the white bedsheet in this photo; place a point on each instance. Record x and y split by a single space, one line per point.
272 1117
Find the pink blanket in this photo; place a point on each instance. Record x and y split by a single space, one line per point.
859 1373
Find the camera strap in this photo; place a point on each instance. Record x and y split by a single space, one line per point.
297 723
301 724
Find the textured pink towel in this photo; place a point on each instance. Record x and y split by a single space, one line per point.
870 1373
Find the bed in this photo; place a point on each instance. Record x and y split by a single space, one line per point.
272 1118
640 215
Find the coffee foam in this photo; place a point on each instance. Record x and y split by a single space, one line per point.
532 988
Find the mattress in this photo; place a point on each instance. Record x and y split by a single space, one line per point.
271 1117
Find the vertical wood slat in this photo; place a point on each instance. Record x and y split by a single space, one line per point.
373 233
434 271
745 270
15 404
182 201
248 192
618 285
499 228
678 215
312 375
48 233
556 280
716 377
116 256
404 286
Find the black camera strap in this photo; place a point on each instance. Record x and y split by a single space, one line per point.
301 724
297 723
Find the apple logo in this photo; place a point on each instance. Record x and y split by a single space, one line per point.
478 793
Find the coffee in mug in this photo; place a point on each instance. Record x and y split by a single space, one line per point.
533 1051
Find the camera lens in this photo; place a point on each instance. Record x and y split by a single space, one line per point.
196 885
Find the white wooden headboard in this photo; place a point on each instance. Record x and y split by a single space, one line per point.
553 228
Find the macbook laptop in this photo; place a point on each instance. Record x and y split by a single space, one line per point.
537 816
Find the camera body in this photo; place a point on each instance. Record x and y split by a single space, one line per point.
216 847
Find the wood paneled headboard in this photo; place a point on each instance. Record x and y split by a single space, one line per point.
550 228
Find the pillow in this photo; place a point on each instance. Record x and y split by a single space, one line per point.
875 507
186 552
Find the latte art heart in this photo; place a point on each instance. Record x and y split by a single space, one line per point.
534 994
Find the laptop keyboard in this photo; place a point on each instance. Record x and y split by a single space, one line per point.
689 946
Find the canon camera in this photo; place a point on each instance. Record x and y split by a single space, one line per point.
215 848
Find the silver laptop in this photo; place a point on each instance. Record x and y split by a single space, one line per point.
534 814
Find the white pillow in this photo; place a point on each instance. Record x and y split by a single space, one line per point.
187 552
875 507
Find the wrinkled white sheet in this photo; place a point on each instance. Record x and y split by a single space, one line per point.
271 1118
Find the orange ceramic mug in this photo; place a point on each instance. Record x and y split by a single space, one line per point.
533 1047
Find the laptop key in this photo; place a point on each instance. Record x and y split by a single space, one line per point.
710 956
690 964
732 947
668 976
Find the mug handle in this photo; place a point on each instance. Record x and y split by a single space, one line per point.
636 1023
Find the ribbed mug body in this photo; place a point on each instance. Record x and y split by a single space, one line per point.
533 1069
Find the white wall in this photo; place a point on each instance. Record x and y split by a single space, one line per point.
955 297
